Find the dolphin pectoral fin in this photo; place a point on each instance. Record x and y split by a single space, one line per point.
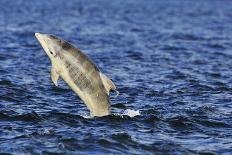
109 85
54 76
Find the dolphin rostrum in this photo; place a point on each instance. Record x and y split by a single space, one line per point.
79 72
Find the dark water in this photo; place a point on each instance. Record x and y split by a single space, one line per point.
171 62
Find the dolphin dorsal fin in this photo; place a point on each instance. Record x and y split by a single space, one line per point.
109 85
54 76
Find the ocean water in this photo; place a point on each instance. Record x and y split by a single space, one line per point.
171 62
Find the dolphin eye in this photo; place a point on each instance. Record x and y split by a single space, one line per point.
51 52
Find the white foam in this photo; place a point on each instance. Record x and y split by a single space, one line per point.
127 112
87 116
131 113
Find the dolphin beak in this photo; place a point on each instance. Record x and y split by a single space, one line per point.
38 36
41 38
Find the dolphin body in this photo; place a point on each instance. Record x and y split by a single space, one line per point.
79 72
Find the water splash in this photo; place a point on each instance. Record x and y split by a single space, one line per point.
128 112
131 113
87 116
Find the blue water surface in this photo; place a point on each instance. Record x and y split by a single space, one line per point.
171 61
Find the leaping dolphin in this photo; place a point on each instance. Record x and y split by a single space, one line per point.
79 72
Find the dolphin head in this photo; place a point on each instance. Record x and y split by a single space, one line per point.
51 44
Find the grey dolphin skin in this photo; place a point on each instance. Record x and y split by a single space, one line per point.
79 72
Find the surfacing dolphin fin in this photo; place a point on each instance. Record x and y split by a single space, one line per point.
54 76
108 84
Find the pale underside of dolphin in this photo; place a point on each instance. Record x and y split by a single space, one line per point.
79 72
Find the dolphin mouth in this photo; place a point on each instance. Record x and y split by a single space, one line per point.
41 38
37 34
